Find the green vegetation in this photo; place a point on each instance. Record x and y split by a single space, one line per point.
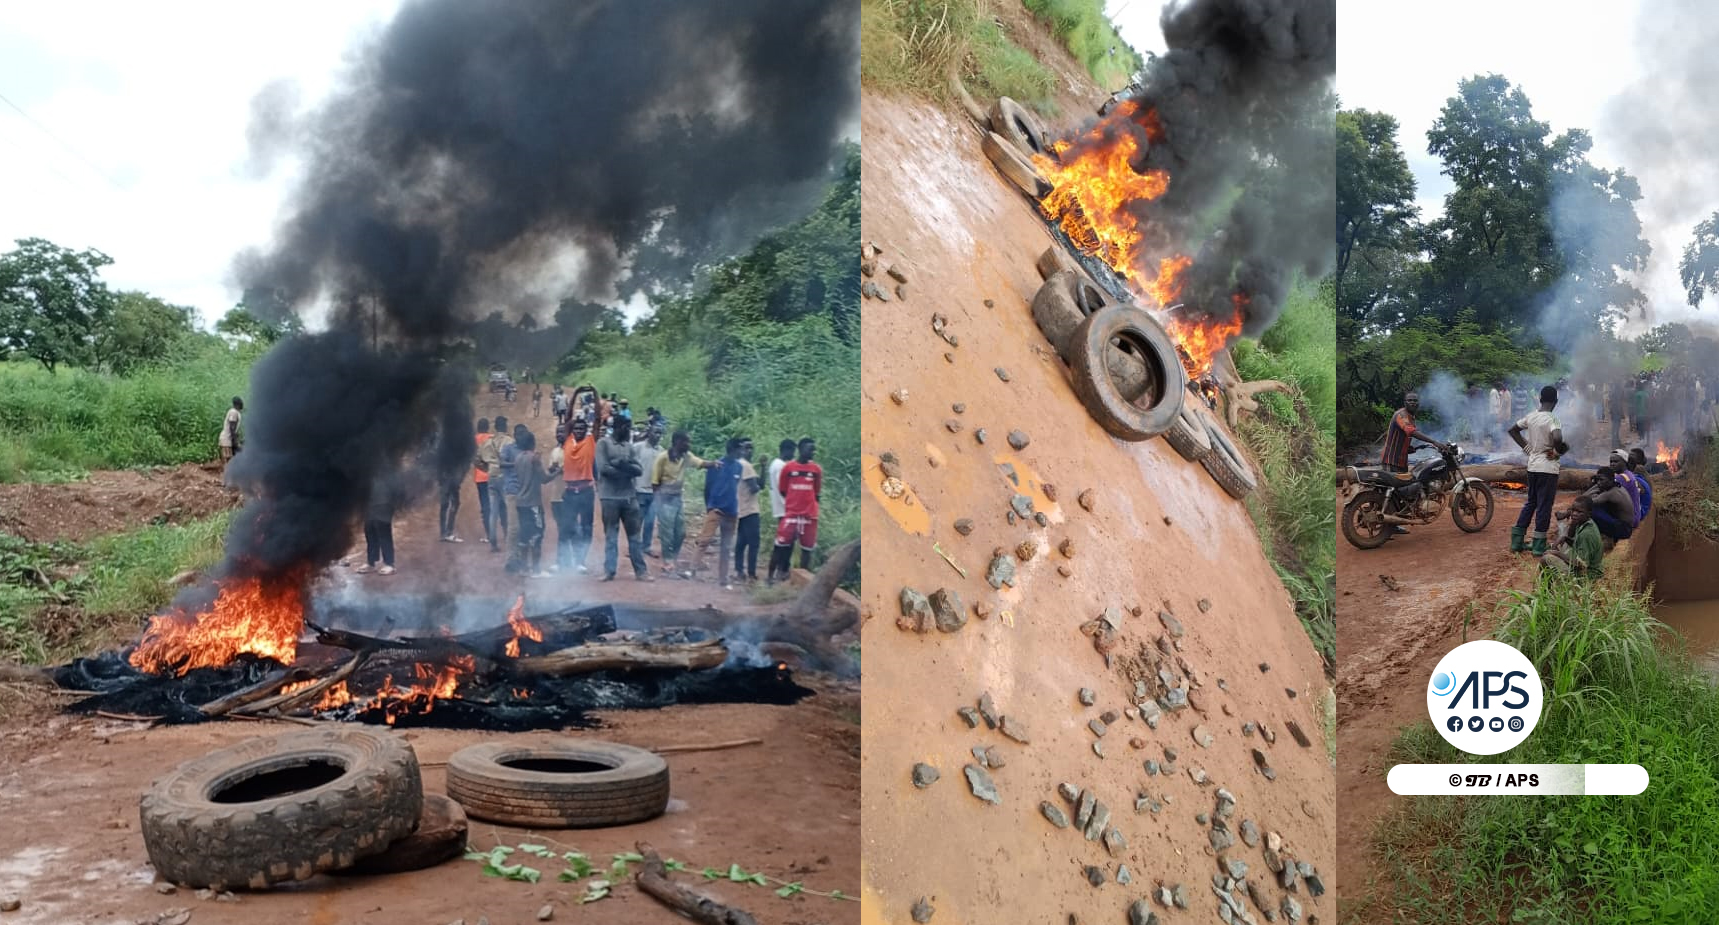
768 348
913 45
1294 440
55 424
59 600
599 881
1612 696
1083 27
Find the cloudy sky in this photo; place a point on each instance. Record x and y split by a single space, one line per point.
1579 64
125 128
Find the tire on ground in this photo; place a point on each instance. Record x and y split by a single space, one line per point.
1015 167
1156 407
1053 261
1188 433
440 836
1019 127
1225 463
559 784
1059 306
281 808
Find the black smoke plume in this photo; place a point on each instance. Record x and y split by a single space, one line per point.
486 156
1242 97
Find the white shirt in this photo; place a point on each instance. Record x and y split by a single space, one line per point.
1537 427
778 502
230 427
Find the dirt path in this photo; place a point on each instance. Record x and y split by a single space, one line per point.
113 502
1388 644
69 845
1161 536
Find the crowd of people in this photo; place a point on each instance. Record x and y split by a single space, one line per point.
602 466
1648 406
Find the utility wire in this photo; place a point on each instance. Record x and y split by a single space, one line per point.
62 143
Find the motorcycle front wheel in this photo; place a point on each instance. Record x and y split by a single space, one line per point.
1472 509
1361 526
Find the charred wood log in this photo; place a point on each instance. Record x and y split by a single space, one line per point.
283 702
623 657
653 880
267 687
1568 479
26 674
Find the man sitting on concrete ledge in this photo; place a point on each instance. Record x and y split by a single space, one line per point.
1581 550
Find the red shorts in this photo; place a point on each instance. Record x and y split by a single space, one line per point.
801 529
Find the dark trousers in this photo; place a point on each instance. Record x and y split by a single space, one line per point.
528 540
450 507
483 510
379 541
498 511
621 516
1611 526
647 512
1542 494
563 528
581 507
746 547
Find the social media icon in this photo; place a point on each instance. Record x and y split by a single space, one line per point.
1496 724
1455 724
1476 723
1515 724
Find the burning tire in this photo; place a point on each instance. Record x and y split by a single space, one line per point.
1019 127
1015 166
281 808
566 784
440 836
1123 330
1188 433
1226 465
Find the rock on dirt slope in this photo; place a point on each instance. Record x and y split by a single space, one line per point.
1156 545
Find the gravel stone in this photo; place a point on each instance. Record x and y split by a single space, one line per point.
981 784
1019 439
980 435
1097 726
1083 815
1296 733
1013 729
1122 875
10 903
994 758
1291 909
1249 833
1180 895
1088 697
1094 875
1173 625
1220 837
1001 572
1203 737
1054 813
988 710
1022 505
915 611
964 526
1068 791
1236 869
922 911
952 425
1141 914
947 609
1109 717
1114 842
969 716
166 889
925 775
1003 374
1151 768
1204 605
1095 826
1264 667
1087 500
546 913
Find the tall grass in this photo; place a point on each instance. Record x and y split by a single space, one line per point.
52 424
1083 27
59 600
1612 697
1293 438
912 46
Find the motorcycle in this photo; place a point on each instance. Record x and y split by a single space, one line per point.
1387 499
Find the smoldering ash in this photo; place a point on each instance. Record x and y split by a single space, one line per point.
486 156
1242 99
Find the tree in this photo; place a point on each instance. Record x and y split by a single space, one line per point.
1375 204
1699 268
144 330
53 305
242 323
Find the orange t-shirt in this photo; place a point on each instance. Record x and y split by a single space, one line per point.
577 459
478 475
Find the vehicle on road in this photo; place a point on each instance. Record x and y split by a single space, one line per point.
1385 500
500 380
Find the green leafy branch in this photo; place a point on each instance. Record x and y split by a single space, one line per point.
580 867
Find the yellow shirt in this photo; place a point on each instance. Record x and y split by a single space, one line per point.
670 472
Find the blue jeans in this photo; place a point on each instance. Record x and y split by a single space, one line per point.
622 514
647 508
1611 526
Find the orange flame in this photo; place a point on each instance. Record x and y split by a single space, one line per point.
1201 340
1671 457
522 627
247 616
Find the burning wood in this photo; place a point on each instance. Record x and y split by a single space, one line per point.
248 616
1671 458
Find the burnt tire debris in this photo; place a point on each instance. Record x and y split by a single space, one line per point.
1226 464
1158 405
1015 167
281 808
564 784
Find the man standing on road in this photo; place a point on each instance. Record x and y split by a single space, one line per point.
1540 434
721 512
618 470
529 475
230 431
578 459
450 506
648 451
668 479
537 401
746 529
1401 434
1501 417
555 491
802 484
489 457
509 456
778 503
1615 405
480 479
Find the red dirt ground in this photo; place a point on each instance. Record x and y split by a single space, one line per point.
1162 535
788 808
113 502
1389 641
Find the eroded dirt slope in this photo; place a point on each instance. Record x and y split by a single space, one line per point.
1161 536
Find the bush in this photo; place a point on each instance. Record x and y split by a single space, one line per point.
75 420
1089 36
912 45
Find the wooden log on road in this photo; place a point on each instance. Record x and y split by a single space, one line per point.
624 656
653 880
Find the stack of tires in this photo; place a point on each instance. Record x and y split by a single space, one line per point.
351 800
1015 136
1126 371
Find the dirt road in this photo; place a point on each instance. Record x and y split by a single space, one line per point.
1161 536
1400 609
